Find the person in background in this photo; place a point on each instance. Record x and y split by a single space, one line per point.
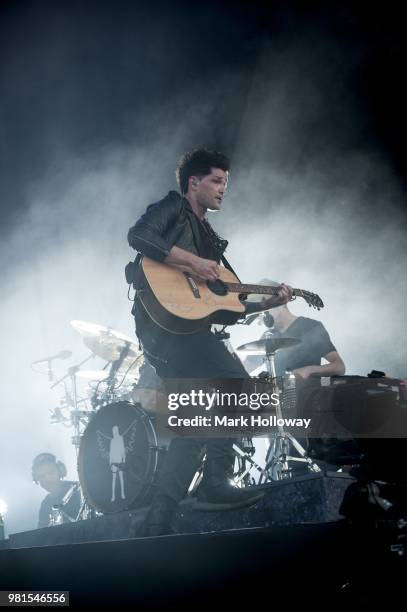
305 359
50 474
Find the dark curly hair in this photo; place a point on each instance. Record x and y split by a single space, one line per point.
199 163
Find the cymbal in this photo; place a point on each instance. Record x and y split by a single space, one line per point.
268 345
93 375
103 376
105 342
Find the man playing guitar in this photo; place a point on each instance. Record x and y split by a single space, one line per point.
175 231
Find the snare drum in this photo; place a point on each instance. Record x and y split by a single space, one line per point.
119 457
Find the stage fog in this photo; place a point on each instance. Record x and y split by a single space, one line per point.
310 202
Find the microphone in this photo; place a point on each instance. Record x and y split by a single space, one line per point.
60 355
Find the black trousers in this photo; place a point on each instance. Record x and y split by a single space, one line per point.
199 355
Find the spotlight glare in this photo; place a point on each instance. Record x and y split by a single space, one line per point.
3 507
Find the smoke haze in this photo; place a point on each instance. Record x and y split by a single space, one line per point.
311 200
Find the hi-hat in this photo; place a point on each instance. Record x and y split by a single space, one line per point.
266 346
105 342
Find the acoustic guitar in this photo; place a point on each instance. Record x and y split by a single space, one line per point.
180 303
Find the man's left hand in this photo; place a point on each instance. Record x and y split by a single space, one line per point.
304 373
285 293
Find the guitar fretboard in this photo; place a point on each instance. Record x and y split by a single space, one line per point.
239 288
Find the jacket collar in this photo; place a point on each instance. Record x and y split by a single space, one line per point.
194 222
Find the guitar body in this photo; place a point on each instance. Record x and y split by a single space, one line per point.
183 305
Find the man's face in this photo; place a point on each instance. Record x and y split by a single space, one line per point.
211 189
48 476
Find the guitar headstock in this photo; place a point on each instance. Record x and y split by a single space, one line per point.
313 300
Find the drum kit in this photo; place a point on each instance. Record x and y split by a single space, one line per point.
116 440
114 437
279 455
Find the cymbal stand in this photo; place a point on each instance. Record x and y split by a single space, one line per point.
277 466
245 464
85 510
110 394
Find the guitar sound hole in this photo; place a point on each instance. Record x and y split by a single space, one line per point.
217 287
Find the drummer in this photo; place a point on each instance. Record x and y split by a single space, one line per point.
50 474
304 359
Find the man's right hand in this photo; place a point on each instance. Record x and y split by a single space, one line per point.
206 268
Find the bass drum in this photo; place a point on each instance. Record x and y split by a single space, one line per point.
118 458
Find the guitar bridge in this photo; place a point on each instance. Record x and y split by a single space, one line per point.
192 285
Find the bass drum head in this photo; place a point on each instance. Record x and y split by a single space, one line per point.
118 458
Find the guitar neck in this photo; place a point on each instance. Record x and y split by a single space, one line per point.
261 289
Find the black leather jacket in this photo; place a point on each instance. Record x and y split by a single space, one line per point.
167 223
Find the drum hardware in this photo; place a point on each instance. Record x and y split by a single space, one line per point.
122 355
78 419
278 455
109 388
195 482
245 464
115 366
58 515
104 395
113 383
71 402
72 371
159 449
48 361
267 347
107 482
119 351
241 477
93 375
85 511
119 457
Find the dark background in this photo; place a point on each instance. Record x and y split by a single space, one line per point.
76 76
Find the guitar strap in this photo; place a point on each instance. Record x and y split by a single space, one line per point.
229 267
219 245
